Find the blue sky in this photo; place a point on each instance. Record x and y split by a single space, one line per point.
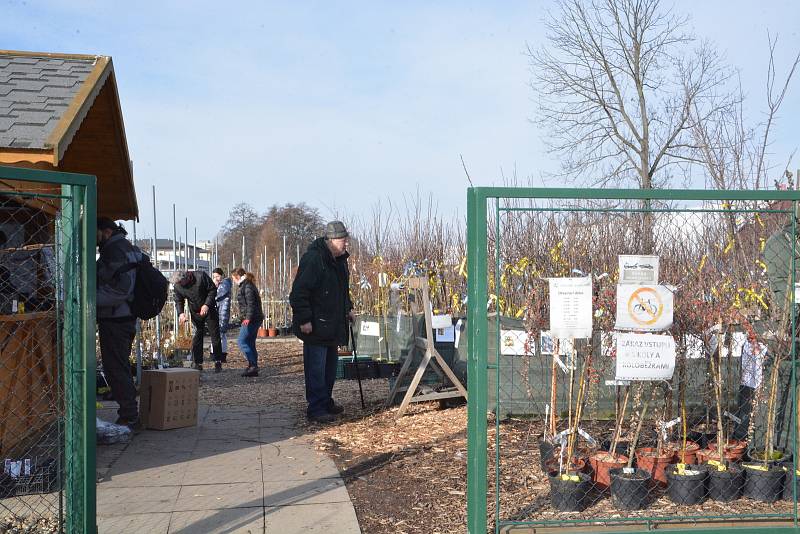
340 104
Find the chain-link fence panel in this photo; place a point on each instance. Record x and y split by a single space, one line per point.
638 360
46 334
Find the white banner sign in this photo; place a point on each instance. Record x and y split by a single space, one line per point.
512 342
645 357
571 307
370 328
644 308
638 270
441 321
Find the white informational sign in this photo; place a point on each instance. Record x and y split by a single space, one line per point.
383 279
441 321
571 307
644 308
638 270
370 328
645 357
512 342
445 335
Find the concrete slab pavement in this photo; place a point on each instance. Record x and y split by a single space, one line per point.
241 470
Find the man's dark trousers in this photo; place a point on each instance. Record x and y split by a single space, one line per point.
116 338
199 322
319 366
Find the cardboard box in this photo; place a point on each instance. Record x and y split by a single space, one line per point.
168 398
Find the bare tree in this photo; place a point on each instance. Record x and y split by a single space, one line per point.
620 84
733 151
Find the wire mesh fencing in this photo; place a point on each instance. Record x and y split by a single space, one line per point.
638 363
44 325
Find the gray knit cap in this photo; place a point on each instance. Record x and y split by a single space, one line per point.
335 230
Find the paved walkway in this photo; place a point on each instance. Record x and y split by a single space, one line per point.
239 470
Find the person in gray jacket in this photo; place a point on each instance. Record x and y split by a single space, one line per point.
224 288
115 322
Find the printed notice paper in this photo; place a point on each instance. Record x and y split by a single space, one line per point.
370 328
638 269
571 307
645 357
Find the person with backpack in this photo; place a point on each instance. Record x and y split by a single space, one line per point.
196 291
116 322
224 288
252 315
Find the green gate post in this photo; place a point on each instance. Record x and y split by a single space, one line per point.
477 322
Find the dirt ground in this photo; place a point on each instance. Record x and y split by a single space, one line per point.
408 475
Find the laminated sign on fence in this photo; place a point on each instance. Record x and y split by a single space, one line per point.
370 328
638 269
571 307
644 308
645 357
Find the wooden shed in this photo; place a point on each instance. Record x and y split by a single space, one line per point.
58 112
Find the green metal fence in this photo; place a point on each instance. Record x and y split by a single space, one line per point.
47 343
545 409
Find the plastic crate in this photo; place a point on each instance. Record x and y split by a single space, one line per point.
43 478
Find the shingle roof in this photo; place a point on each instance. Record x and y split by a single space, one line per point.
34 93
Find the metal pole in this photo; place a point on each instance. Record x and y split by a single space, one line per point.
174 238
194 254
158 317
284 279
138 333
186 244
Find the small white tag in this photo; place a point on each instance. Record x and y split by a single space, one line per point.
370 328
670 424
562 435
629 470
732 417
560 363
14 306
589 439
27 466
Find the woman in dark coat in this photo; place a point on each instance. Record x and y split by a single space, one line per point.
252 316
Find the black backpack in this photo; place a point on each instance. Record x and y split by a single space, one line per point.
150 288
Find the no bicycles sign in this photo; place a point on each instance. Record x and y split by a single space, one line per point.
644 308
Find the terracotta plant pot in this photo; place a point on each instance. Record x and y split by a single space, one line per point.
734 450
262 332
646 459
577 464
690 455
601 462
272 332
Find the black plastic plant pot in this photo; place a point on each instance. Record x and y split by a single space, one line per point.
630 490
779 456
570 493
765 485
789 481
688 487
546 449
702 437
725 486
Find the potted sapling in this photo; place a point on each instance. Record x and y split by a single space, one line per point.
630 488
570 486
603 461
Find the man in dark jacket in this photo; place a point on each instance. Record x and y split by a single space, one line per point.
199 292
321 310
116 324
